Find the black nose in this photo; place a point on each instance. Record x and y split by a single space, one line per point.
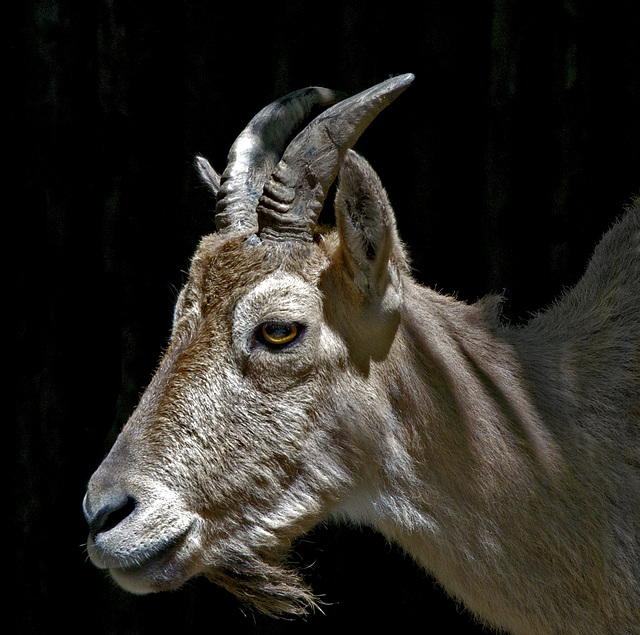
105 512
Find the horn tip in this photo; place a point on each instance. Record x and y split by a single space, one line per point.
400 82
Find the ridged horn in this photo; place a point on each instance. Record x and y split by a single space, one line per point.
294 194
256 152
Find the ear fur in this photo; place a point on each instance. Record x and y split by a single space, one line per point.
367 227
208 175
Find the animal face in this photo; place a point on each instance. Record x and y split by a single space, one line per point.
254 426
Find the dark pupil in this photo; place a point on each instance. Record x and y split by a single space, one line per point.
278 331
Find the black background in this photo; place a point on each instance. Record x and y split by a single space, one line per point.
515 148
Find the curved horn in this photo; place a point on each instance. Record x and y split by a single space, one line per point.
256 152
294 194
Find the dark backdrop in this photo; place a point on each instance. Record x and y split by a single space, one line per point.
515 148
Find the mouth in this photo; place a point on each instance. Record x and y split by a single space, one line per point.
160 564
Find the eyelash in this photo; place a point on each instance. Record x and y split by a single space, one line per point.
277 335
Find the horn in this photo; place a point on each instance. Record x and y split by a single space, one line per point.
257 150
294 194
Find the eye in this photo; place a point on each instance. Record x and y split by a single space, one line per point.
279 334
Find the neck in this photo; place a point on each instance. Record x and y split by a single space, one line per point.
476 484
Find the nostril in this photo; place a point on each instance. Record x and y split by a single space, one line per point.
111 514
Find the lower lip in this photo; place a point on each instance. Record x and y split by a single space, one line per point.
152 561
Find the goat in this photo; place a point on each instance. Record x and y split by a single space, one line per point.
309 376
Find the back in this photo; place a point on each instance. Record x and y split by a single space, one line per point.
588 343
582 357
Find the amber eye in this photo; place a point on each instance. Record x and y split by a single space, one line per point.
279 334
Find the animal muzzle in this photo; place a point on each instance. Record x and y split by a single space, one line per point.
147 540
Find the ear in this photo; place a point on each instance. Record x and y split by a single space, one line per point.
367 228
208 175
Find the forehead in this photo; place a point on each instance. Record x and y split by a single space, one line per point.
225 267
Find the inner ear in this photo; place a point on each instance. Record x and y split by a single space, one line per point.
366 223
